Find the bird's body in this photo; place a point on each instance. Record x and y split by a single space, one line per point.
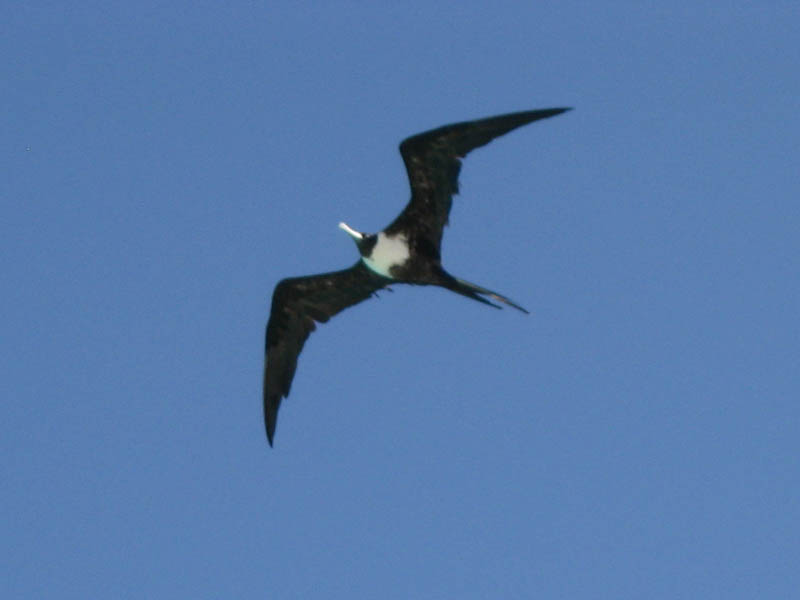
389 255
407 251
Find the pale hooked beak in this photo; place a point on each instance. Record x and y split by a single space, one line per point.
356 235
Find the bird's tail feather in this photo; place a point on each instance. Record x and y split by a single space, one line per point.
470 290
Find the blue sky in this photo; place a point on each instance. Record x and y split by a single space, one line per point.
636 436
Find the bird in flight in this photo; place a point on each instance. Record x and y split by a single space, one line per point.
407 251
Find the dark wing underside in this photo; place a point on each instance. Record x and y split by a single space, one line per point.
433 161
296 304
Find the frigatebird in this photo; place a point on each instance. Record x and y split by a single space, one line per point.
407 251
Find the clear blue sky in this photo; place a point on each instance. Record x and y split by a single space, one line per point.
637 436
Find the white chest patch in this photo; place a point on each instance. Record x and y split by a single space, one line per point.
388 252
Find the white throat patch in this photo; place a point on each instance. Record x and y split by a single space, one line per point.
388 252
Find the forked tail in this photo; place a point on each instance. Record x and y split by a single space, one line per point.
470 290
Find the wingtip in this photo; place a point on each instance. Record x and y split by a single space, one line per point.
543 113
270 421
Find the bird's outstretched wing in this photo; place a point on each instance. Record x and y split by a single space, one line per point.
433 161
296 304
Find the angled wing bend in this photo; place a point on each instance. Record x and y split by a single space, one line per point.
296 304
433 162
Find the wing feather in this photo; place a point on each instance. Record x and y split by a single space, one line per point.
298 303
433 162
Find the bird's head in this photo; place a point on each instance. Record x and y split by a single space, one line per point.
364 241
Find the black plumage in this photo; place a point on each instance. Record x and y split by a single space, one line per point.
296 304
407 251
